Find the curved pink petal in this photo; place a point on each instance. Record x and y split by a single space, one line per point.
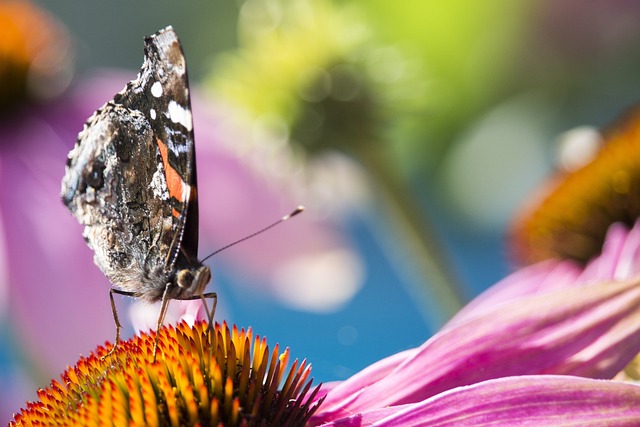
588 331
544 400
629 263
346 391
619 260
367 418
538 278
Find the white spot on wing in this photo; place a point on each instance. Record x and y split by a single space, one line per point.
152 113
177 114
158 183
156 90
186 190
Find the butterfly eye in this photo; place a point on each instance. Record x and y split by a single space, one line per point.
94 176
185 278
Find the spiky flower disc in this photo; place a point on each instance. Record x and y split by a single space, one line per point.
226 378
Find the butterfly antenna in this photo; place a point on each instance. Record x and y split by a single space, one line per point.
298 210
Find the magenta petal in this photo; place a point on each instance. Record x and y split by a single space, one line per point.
538 278
589 331
620 256
620 260
605 265
361 419
544 400
526 401
348 390
628 264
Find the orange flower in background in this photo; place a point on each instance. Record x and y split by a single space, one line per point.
578 207
35 53
227 379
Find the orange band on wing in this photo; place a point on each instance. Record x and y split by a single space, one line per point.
174 180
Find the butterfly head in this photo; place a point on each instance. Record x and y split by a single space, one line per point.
192 281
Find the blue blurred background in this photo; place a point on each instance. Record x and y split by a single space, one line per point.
412 131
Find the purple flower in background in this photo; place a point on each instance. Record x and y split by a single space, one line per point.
515 353
53 311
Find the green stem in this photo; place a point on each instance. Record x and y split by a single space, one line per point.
414 232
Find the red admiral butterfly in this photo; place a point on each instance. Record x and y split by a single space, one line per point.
131 180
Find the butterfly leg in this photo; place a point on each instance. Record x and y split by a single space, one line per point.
161 316
115 317
211 313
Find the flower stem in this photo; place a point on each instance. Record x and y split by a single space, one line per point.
426 258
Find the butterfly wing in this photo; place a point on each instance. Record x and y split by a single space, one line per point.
130 179
170 99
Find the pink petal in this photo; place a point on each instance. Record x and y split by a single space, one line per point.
604 266
558 401
588 331
144 316
538 278
629 262
348 390
620 260
367 418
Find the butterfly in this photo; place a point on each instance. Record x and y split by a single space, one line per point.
131 181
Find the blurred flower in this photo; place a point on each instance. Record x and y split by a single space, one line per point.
515 353
504 148
568 36
299 78
572 215
35 54
220 377
36 64
312 73
236 199
282 44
